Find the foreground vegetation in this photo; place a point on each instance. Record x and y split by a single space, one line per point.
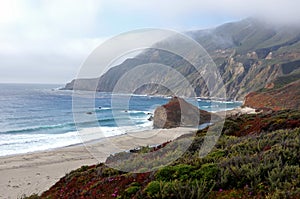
257 156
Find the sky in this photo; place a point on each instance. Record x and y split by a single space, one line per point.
47 41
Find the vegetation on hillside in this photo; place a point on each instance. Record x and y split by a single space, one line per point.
282 95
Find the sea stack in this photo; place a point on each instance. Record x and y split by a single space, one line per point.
179 113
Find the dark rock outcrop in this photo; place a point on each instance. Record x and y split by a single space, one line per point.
179 113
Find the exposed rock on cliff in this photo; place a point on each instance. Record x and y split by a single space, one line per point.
178 112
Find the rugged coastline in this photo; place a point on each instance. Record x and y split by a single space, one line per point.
33 173
246 162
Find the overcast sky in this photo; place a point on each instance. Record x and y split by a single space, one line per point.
46 41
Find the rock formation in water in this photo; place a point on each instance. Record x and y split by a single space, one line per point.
179 113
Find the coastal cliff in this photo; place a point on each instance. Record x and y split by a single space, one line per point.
249 55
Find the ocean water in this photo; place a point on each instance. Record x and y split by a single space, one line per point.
40 117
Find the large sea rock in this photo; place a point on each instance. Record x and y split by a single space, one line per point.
179 113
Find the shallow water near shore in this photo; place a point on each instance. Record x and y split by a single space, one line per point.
40 117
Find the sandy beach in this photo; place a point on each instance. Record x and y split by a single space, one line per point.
237 111
37 172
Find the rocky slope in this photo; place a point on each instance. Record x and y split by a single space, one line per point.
249 54
283 93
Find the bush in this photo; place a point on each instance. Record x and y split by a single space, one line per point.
132 190
177 189
158 189
181 172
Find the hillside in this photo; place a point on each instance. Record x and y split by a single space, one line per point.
282 93
257 156
249 54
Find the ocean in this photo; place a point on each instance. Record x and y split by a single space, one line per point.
37 117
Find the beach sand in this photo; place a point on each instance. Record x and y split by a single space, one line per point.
37 172
237 111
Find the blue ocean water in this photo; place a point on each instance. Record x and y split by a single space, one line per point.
37 117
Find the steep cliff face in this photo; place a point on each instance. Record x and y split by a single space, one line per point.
249 55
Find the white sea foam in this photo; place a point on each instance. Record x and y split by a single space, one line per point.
105 108
12 144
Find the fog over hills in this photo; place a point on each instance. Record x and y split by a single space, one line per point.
249 54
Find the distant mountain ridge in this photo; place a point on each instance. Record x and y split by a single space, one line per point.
249 55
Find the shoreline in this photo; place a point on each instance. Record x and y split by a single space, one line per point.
238 110
36 172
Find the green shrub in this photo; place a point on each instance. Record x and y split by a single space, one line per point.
178 189
152 188
285 178
192 189
208 172
132 190
215 155
180 172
